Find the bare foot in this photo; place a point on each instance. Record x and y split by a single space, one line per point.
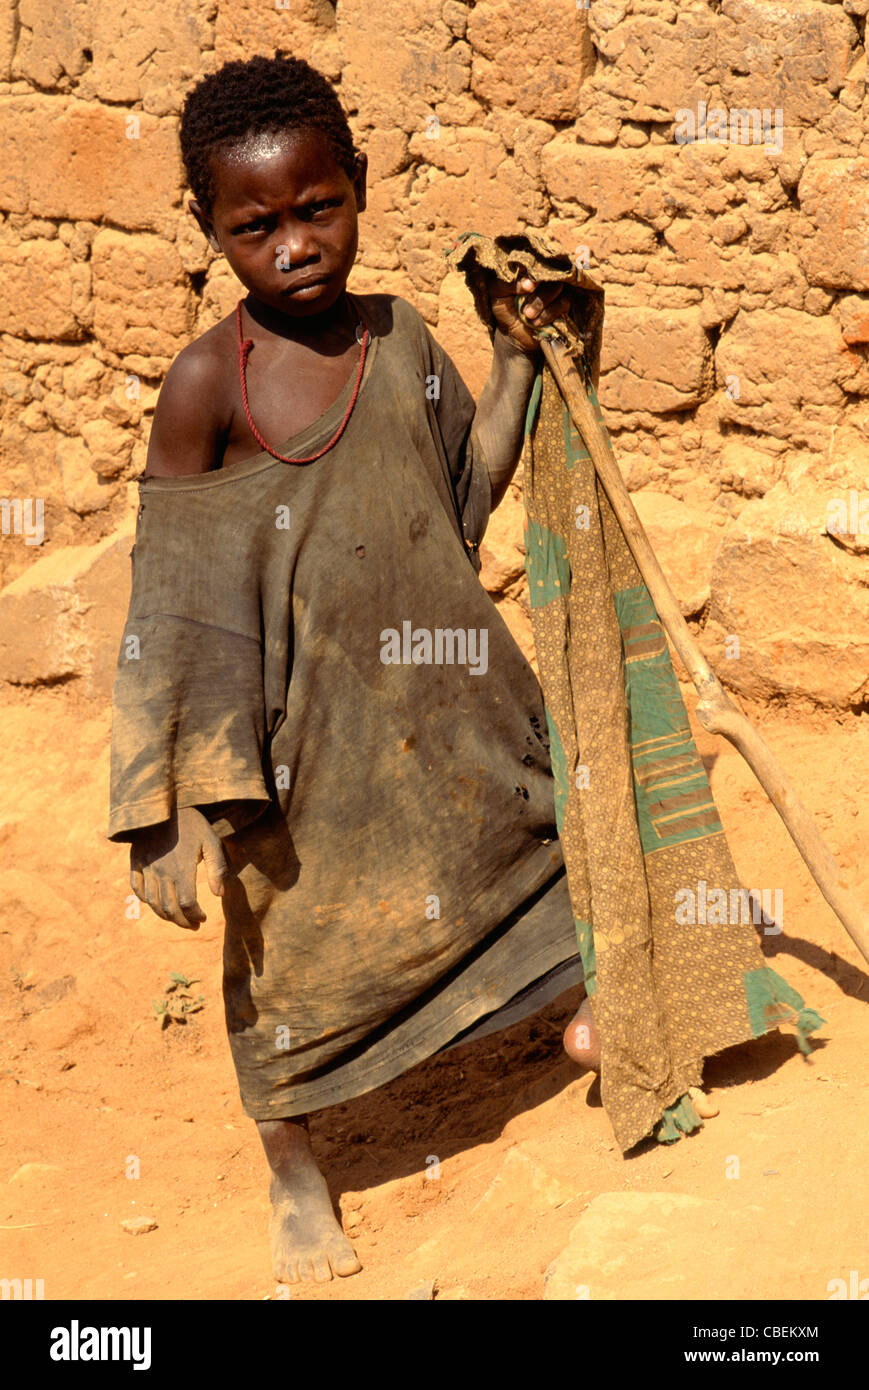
703 1104
582 1044
307 1240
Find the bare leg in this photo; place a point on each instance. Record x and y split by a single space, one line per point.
307 1241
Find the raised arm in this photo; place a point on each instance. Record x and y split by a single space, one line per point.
499 423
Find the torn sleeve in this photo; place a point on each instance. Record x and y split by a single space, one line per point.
188 722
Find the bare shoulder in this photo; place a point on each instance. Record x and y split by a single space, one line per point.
193 410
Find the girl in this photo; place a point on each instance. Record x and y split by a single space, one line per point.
315 695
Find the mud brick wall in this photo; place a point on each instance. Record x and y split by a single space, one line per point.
707 161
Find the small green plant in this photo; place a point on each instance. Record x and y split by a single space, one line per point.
178 1001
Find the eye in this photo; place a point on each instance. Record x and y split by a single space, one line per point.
255 225
324 205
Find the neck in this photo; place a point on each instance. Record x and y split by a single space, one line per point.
337 319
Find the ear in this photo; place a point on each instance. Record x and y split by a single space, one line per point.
205 224
359 179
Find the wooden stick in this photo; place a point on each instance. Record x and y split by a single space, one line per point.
715 710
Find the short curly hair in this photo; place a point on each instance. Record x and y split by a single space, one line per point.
260 94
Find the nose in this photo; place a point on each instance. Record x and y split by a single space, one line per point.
296 245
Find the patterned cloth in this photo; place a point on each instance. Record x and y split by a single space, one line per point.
672 963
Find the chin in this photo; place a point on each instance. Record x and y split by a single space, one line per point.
314 303
306 306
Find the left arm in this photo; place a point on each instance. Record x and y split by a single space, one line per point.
499 422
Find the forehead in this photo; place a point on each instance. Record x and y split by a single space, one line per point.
273 165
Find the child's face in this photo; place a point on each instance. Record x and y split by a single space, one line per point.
282 199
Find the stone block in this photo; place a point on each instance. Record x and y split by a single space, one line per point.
654 360
534 57
685 541
793 55
63 617
833 245
65 158
132 275
644 1245
795 600
42 289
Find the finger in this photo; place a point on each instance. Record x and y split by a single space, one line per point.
152 892
187 899
216 867
549 293
546 296
508 289
137 883
509 292
552 296
532 308
557 309
169 898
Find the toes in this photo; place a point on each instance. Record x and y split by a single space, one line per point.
346 1264
322 1268
703 1104
344 1259
311 1255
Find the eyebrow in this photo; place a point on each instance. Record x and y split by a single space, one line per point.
253 210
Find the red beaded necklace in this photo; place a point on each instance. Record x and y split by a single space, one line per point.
244 347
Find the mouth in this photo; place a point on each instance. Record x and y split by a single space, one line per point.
304 287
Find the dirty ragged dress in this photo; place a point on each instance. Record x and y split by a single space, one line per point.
310 658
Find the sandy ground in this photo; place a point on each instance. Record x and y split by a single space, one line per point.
470 1171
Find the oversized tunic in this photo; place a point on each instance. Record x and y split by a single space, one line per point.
310 659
